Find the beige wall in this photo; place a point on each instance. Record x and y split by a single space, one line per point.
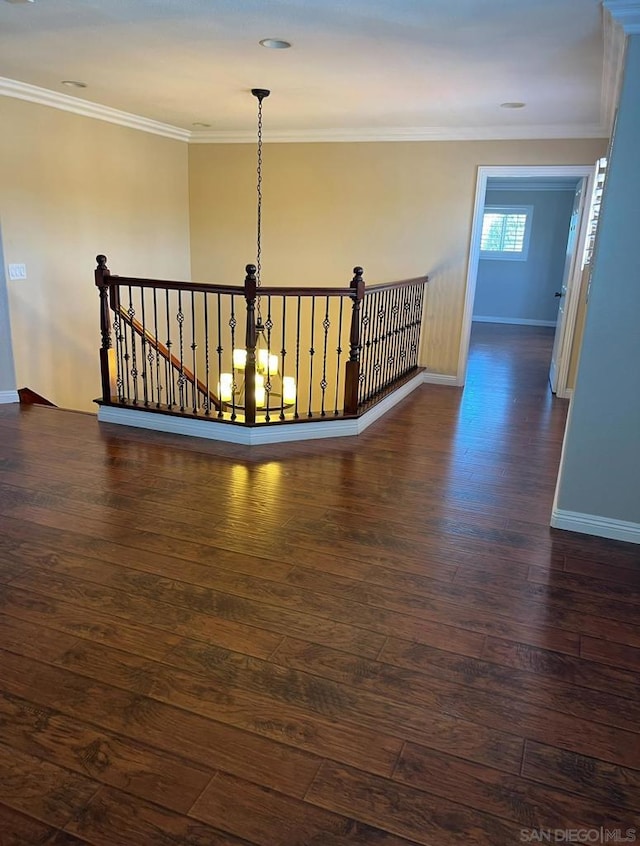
399 209
72 187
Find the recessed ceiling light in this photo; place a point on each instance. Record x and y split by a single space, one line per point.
73 83
513 105
275 43
199 125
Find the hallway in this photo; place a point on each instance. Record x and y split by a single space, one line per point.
342 643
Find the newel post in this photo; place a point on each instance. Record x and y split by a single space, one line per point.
108 368
352 374
250 287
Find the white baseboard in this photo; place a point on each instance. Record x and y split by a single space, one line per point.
516 321
441 379
592 524
9 396
249 435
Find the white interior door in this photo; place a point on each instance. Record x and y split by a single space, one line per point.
571 267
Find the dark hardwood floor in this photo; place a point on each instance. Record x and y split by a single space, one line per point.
349 642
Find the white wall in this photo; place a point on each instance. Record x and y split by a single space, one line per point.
523 291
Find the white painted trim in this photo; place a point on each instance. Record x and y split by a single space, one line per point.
572 291
593 524
250 435
78 106
566 394
484 173
8 396
536 185
516 321
472 271
410 133
626 13
86 108
440 379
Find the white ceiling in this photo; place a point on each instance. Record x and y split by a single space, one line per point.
363 68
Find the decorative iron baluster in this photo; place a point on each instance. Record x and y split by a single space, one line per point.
114 298
312 352
126 357
326 325
295 410
268 383
393 354
365 346
232 326
339 353
131 313
143 347
418 299
375 342
157 355
117 334
171 385
219 351
406 328
207 400
194 347
381 329
283 355
181 376
384 342
414 317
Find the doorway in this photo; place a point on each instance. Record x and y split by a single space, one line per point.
570 176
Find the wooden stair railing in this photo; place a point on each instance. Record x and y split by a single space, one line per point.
167 355
343 349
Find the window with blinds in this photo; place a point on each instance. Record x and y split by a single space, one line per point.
505 232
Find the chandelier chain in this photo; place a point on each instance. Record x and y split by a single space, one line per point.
259 223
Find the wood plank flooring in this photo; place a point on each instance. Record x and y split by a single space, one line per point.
349 642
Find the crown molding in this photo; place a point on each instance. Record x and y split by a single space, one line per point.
626 13
417 133
615 42
78 106
620 18
66 103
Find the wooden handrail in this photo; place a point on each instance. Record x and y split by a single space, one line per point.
238 290
402 283
171 285
167 355
264 291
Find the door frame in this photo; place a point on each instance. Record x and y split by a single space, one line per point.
585 172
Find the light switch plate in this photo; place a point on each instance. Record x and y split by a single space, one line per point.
17 271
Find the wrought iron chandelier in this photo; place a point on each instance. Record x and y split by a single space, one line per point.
232 385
